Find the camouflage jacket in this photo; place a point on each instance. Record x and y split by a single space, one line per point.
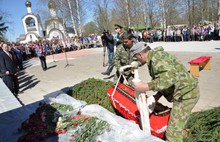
169 76
123 57
119 39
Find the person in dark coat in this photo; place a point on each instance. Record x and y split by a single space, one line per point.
41 53
110 47
18 55
8 69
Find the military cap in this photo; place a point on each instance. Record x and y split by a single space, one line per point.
118 26
139 47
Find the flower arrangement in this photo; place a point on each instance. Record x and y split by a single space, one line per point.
47 121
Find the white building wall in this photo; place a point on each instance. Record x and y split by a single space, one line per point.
29 9
55 29
37 24
30 37
55 34
38 32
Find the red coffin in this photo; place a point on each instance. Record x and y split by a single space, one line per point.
124 102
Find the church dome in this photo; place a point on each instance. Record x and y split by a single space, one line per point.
52 4
28 3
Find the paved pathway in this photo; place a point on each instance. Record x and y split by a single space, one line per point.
87 63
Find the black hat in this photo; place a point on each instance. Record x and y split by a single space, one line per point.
118 26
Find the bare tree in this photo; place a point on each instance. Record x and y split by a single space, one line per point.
189 11
144 7
193 11
203 10
72 12
152 13
163 15
130 12
136 12
127 5
72 18
78 17
120 12
62 14
102 16
218 11
90 27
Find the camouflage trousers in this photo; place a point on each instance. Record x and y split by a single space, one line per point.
179 116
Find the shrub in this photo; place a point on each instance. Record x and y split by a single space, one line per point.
204 126
93 91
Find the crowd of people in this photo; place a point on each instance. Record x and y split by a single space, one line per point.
177 33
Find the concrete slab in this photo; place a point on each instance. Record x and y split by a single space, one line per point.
7 100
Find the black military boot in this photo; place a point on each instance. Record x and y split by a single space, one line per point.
109 70
105 73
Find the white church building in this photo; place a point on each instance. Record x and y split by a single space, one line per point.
33 29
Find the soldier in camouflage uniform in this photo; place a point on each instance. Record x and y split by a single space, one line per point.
123 57
172 80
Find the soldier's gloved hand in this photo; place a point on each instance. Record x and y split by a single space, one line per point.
121 70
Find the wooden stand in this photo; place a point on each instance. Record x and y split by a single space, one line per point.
203 62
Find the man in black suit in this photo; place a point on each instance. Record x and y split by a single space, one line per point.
8 69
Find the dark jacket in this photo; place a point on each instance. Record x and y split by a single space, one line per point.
110 42
7 64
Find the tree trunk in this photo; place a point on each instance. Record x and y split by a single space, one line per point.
145 14
128 14
208 12
189 13
78 17
61 11
218 11
72 19
162 5
193 12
